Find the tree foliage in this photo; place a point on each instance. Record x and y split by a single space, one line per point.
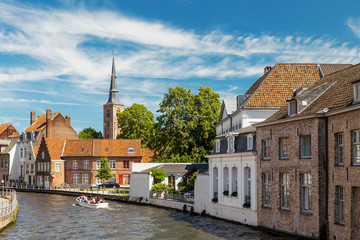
136 122
90 133
185 130
158 174
188 181
105 171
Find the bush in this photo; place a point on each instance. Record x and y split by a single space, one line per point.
214 200
226 193
188 182
158 174
158 187
247 205
170 190
234 194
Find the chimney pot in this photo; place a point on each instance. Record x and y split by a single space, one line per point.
266 69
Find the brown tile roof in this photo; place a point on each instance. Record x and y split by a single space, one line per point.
36 150
252 89
327 69
3 127
280 83
40 123
55 147
103 147
339 95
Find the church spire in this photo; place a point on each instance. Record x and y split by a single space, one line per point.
113 93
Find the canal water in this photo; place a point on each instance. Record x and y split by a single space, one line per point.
46 216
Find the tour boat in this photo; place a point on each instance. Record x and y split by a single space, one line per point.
92 205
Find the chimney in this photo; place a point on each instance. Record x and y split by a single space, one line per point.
48 122
32 117
267 69
68 118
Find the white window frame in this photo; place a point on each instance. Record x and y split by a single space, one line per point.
43 155
357 92
75 164
305 146
284 191
215 182
48 166
266 187
250 142
98 181
126 179
57 167
284 148
292 108
266 149
339 149
247 185
98 164
85 179
306 187
76 178
86 164
356 147
217 145
226 179
38 166
234 180
112 164
231 143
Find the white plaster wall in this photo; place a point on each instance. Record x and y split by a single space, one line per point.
138 167
250 117
201 193
140 185
14 164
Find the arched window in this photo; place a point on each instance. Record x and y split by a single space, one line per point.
215 182
247 186
226 181
234 181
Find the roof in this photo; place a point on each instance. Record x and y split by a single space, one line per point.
13 141
103 147
252 89
4 126
55 147
339 94
147 155
230 106
248 129
327 69
40 123
280 82
178 167
36 150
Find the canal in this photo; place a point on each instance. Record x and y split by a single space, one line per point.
46 216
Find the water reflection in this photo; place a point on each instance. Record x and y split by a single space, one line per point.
45 216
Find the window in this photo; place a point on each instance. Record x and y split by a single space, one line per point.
98 164
38 164
305 145
42 167
292 108
217 146
82 149
171 181
126 164
112 164
306 183
42 155
356 147
234 181
230 141
266 149
215 182
106 149
48 166
339 149
226 180
86 164
75 164
85 179
108 113
339 204
98 181
126 179
57 167
356 92
284 147
284 190
21 153
247 185
76 178
32 168
266 189
250 141
131 150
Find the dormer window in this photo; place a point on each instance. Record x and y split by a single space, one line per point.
230 140
106 149
357 92
82 149
131 150
217 145
250 142
292 108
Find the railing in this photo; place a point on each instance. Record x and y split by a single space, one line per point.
9 204
189 198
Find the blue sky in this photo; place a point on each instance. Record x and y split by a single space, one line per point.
57 54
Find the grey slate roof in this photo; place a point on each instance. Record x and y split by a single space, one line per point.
230 106
326 68
12 144
178 168
113 93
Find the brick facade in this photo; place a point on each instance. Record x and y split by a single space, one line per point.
346 175
7 130
293 220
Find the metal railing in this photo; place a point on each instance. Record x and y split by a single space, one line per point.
8 204
174 196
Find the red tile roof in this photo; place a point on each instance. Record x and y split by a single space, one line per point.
40 123
3 127
55 147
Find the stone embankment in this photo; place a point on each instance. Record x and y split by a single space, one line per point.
8 205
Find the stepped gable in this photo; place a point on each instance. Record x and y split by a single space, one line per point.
279 84
339 95
55 147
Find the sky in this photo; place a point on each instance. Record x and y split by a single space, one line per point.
57 54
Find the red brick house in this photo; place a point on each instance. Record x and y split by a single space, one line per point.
83 157
8 130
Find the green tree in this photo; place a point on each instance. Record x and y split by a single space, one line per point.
158 174
185 130
105 171
90 133
136 122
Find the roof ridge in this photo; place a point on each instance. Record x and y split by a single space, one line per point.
353 65
5 127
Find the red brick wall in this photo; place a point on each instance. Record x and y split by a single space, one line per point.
293 220
9 131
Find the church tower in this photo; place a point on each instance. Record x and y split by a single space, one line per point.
111 108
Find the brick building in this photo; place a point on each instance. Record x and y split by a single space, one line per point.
8 130
307 157
83 158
